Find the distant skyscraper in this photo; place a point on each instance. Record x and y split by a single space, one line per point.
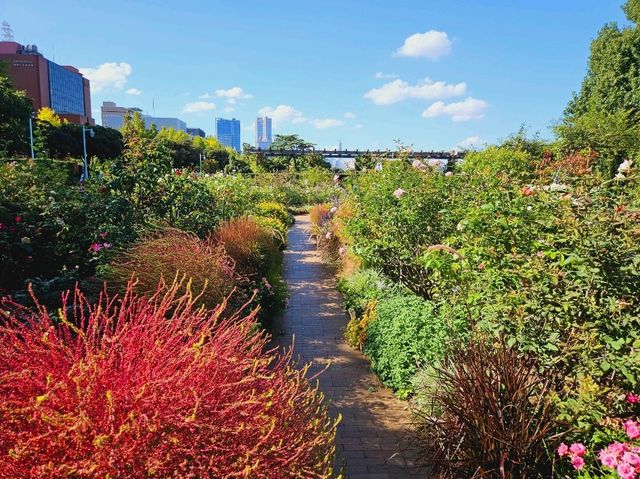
113 117
228 132
196 132
263 132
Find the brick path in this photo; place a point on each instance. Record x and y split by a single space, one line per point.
371 436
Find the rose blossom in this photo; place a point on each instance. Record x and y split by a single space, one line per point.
563 449
577 462
633 398
608 459
626 471
578 449
398 193
632 429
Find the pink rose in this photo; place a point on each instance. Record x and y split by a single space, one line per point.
578 449
626 471
577 462
632 429
617 448
633 398
398 193
631 458
563 449
608 459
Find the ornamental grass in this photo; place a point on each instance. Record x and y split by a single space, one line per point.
170 254
138 387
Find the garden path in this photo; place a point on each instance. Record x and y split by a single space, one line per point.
371 442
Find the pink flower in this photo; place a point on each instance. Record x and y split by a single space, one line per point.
328 235
632 398
448 173
398 193
577 462
577 449
106 245
632 429
626 471
617 448
2 226
418 164
18 219
631 458
95 247
563 449
607 458
103 235
482 266
266 283
527 191
342 251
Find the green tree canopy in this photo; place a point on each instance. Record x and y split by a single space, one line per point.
15 109
290 142
609 98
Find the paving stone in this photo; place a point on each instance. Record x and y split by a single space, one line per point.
371 437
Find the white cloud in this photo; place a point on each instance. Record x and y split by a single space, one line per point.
469 109
398 90
349 115
432 44
133 91
229 109
107 75
472 143
198 107
385 76
283 114
206 96
321 124
235 93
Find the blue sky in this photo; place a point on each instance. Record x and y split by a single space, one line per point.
449 72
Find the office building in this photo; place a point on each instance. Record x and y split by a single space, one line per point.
228 132
113 115
263 132
164 122
61 88
196 132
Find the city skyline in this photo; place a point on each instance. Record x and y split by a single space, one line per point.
431 74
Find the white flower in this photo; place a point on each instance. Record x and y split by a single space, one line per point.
418 164
459 226
557 187
448 173
529 208
620 176
328 235
625 166
333 210
398 193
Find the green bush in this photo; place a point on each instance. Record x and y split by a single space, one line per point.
407 333
362 287
271 209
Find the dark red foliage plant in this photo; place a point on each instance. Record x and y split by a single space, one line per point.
488 415
136 387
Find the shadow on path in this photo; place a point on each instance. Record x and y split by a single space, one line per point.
370 439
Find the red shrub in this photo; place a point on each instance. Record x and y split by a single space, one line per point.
136 388
170 253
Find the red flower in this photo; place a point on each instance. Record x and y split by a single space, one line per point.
18 219
633 398
527 191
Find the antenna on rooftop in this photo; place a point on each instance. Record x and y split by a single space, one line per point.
7 32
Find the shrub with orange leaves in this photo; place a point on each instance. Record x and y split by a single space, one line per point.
319 215
137 387
252 247
173 253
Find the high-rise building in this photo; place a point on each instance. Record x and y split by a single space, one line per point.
62 88
113 117
228 132
263 132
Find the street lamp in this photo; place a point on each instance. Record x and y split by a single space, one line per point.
31 117
85 168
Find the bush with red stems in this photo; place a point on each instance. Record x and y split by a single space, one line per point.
137 387
172 253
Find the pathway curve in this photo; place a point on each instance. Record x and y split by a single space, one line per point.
370 437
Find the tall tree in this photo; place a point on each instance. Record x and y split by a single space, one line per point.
605 114
15 109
